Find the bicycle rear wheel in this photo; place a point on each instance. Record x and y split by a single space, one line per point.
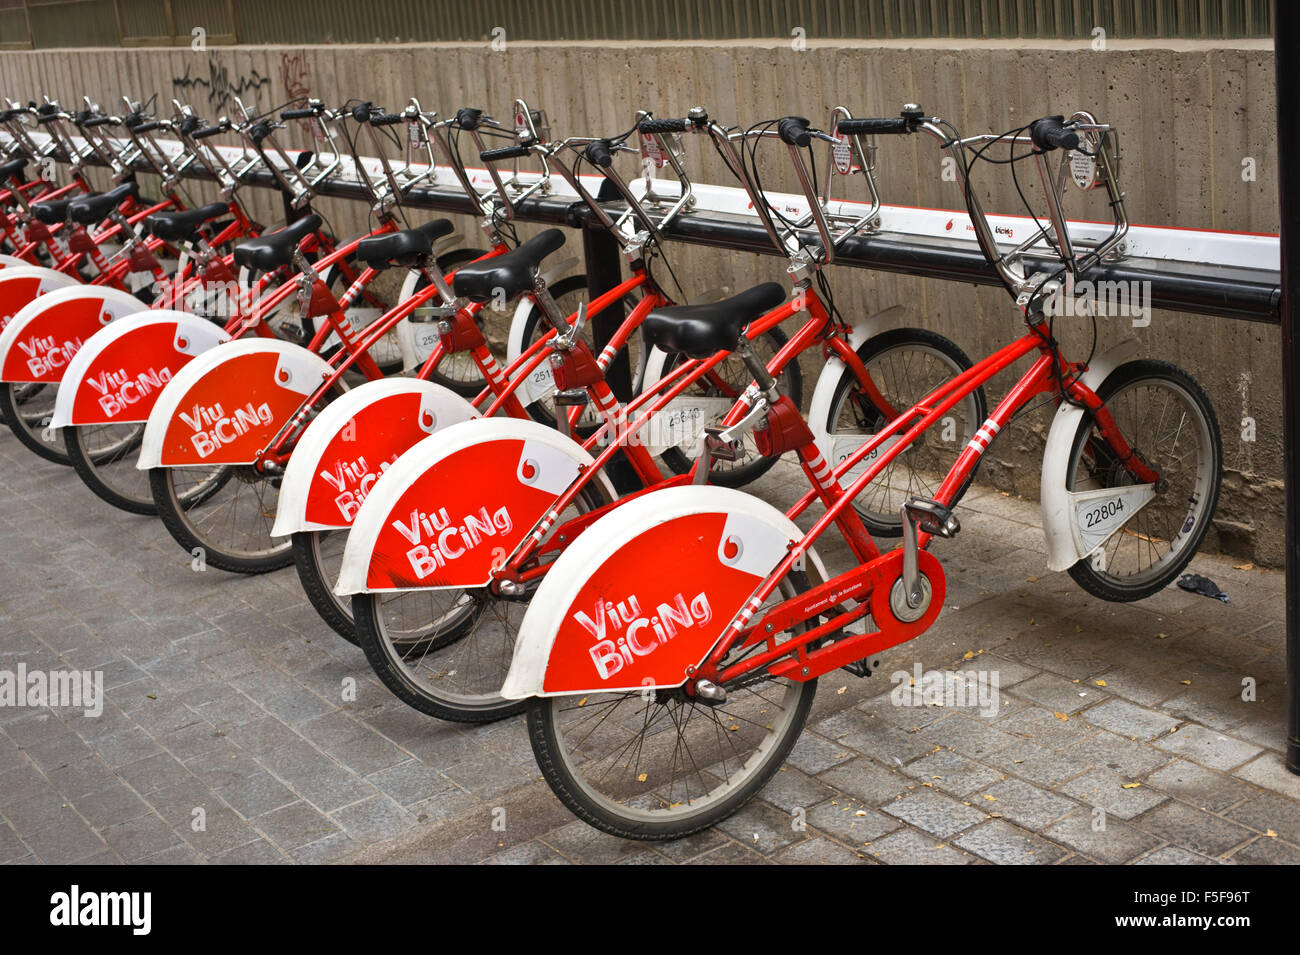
27 409
446 652
1170 424
659 764
223 515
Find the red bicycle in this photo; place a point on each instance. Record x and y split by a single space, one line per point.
670 657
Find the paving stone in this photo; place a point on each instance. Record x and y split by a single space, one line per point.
374 820
1038 764
111 804
934 812
820 852
408 782
1201 787
1114 843
1125 719
296 825
1269 772
762 828
953 773
813 755
1267 851
730 853
332 848
1269 812
1104 789
972 737
1004 844
909 847
256 793
1120 755
1208 747
69 842
867 780
850 821
1059 694
529 853
683 850
1193 829
140 838
789 788
886 742
1023 803
260 852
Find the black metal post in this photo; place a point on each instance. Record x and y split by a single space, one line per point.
1286 40
604 264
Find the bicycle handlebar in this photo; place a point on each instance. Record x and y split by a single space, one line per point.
874 127
598 153
652 126
506 152
1050 133
306 113
386 119
207 131
794 131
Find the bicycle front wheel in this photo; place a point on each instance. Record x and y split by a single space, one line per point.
659 764
905 365
1170 424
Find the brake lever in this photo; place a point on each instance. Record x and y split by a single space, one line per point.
565 342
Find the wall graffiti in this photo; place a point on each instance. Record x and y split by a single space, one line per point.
219 87
295 76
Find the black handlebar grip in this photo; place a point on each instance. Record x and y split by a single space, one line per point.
468 118
189 124
8 114
147 127
387 119
794 131
47 118
133 120
307 113
46 109
1049 133
505 152
873 127
598 153
80 116
207 131
649 126
259 131
98 121
361 112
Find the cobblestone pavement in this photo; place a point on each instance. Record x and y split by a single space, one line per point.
224 693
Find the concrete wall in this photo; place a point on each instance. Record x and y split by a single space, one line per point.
1190 114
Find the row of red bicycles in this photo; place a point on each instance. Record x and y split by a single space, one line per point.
516 496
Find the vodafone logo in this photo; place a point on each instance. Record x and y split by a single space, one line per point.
948 227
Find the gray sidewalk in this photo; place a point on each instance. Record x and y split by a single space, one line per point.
1121 733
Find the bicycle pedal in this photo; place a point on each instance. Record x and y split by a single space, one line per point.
292 332
932 517
720 448
862 668
572 398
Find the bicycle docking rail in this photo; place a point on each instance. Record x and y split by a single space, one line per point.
1207 272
